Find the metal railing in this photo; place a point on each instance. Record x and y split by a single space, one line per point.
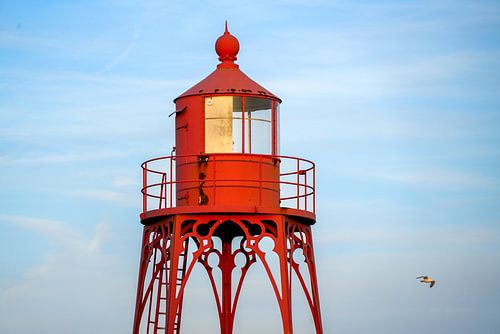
297 180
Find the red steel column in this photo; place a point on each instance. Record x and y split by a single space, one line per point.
227 266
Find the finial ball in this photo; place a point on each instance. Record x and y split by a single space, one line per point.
227 46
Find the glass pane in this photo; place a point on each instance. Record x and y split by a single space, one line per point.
261 137
237 124
224 121
218 124
223 124
259 130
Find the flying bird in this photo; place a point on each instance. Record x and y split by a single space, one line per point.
427 279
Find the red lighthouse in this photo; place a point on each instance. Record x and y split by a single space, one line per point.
224 190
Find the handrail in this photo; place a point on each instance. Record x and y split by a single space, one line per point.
159 181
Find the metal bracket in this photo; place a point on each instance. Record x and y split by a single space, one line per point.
178 111
182 127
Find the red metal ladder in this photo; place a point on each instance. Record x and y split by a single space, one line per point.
162 284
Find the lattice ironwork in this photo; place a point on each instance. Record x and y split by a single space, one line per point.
167 263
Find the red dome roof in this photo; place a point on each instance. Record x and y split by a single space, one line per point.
228 78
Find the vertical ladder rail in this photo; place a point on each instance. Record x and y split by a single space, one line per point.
159 284
162 286
178 281
150 306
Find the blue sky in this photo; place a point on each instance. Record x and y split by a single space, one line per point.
398 103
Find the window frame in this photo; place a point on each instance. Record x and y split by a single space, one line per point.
246 124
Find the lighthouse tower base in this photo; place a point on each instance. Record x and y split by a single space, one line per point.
173 244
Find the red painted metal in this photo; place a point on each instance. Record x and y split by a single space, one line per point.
192 198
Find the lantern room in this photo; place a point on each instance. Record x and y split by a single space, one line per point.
227 147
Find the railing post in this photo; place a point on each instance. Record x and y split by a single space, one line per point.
144 187
298 183
314 188
162 190
171 181
305 190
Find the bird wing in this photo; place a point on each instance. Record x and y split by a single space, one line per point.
432 284
421 277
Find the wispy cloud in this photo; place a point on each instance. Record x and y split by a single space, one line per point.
116 197
20 40
389 237
60 158
73 274
427 176
126 182
420 77
128 50
74 79
58 232
440 179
